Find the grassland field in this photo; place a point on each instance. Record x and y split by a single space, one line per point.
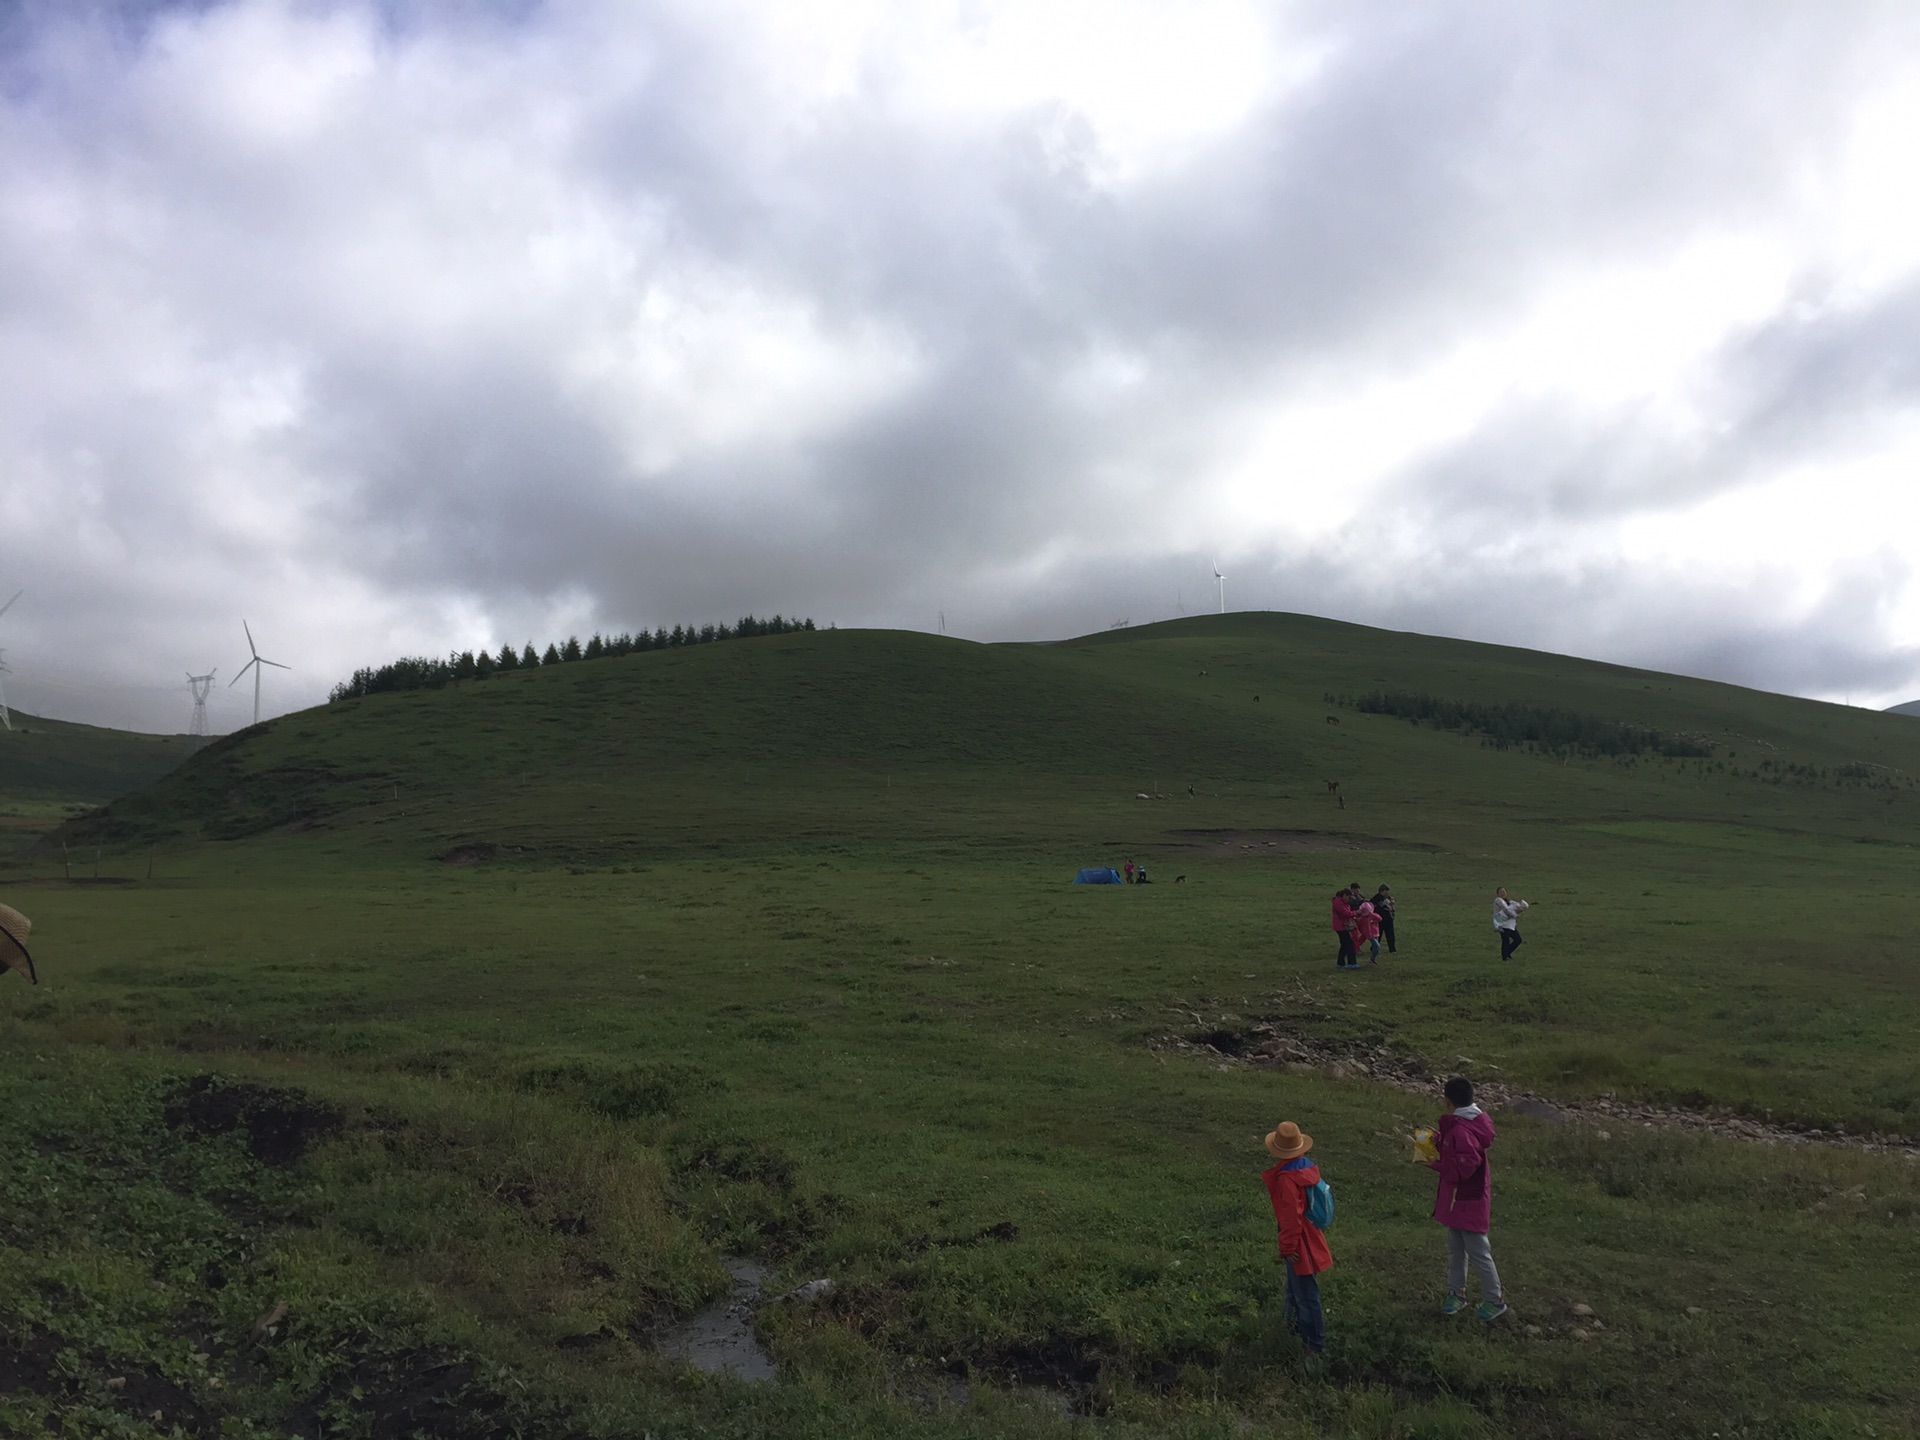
472 1029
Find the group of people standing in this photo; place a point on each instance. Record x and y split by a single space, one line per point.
1359 921
1462 1203
1456 1149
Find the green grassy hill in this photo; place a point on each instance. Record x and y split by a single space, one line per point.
479 1026
606 757
54 760
51 769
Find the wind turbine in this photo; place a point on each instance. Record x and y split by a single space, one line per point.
1223 586
254 665
6 720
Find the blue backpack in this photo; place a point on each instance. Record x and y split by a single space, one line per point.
1319 1207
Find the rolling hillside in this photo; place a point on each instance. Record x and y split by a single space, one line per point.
54 760
790 734
51 770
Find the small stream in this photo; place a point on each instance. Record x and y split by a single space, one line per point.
720 1338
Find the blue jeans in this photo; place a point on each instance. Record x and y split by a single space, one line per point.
1304 1316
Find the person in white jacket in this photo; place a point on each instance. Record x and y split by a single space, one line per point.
1506 921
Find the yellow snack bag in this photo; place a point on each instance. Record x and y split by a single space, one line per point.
1424 1150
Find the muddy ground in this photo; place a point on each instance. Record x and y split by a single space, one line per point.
1274 1043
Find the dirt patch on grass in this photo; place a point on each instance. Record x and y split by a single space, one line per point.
425 1392
148 1396
1251 843
1075 1374
1068 1365
29 1366
472 854
26 1365
281 1125
1274 1043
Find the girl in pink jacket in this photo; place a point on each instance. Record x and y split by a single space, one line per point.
1463 1201
1366 931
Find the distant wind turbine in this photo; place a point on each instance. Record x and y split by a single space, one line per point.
6 720
1223 586
254 665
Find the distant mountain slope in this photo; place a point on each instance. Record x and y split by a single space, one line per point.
1912 707
865 735
45 760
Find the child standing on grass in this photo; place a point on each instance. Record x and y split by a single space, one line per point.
1303 1246
1463 1201
1367 925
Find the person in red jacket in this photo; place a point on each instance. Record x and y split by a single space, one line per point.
1302 1245
1463 1201
1343 925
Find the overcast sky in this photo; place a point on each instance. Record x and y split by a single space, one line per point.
408 327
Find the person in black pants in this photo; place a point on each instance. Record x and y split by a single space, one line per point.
1506 921
1343 904
1383 907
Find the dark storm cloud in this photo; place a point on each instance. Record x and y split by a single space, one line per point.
414 326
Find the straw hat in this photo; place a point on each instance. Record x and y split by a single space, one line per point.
1287 1141
14 929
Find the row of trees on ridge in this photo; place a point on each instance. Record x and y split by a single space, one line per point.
424 672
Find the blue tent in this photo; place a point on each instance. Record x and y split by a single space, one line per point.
1098 875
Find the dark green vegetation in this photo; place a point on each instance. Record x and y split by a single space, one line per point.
425 672
51 770
477 1025
1543 727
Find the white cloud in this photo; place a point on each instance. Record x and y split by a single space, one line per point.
403 326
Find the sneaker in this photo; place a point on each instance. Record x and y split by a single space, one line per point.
1490 1310
1453 1304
